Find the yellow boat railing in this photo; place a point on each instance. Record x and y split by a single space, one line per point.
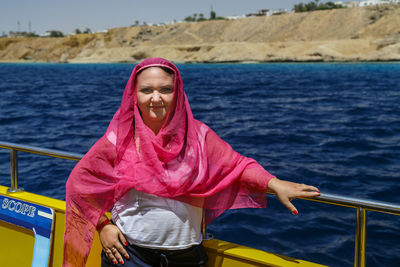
361 205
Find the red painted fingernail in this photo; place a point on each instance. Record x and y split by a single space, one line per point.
127 257
126 243
122 262
295 212
115 262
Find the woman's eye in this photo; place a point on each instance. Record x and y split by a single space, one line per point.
166 90
146 91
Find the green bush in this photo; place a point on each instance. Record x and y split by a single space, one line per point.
200 17
56 34
315 5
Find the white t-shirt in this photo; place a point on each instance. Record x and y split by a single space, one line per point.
155 222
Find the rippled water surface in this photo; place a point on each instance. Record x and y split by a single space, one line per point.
336 126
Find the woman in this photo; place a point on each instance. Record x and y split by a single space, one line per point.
160 171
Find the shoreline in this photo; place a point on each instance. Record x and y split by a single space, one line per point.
362 34
211 62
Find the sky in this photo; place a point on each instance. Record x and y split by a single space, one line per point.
100 15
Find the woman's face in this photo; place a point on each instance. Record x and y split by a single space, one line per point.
155 93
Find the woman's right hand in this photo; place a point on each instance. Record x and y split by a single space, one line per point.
287 191
111 239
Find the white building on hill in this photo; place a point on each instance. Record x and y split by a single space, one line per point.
377 2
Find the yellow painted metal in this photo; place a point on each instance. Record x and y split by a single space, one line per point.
225 254
16 244
13 241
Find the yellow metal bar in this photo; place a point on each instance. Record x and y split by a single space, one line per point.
14 172
360 242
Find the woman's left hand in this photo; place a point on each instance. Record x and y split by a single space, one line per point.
287 191
111 239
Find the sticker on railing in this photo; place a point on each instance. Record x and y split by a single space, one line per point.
36 218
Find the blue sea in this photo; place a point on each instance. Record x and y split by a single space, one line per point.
335 126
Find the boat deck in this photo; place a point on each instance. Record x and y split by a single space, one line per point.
17 243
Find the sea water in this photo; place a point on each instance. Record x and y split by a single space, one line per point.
335 126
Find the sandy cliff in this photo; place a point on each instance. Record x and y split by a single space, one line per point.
353 34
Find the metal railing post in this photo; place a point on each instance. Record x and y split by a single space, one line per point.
14 172
360 242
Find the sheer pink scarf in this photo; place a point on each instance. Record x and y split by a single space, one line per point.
186 161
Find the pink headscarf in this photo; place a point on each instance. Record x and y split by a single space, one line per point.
185 161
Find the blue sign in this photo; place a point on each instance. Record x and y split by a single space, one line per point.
36 218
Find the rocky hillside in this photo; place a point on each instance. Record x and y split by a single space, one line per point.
352 34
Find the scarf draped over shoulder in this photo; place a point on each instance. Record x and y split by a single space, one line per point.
185 161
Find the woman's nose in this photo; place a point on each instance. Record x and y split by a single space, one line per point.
156 97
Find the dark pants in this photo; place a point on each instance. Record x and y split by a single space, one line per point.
194 256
